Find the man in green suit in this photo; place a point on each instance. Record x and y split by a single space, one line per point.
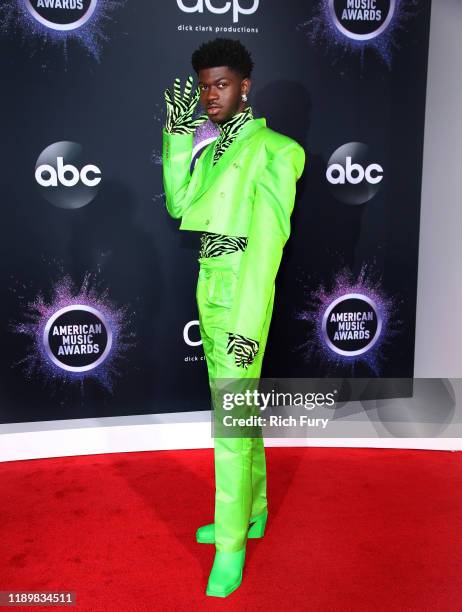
240 195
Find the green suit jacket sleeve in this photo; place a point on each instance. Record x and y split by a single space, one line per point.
176 159
268 233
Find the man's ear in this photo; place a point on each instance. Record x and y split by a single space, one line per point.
246 84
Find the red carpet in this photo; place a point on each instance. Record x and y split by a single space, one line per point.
349 530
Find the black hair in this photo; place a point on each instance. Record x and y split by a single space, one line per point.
223 52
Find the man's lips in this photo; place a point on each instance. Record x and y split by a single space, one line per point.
213 110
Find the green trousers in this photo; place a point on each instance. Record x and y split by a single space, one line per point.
240 468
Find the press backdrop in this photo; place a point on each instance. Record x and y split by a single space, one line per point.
98 312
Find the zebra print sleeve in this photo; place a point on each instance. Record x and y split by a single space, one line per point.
180 108
245 349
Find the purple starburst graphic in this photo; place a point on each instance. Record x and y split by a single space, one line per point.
15 17
38 312
206 132
322 31
365 284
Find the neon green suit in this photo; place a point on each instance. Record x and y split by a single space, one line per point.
249 192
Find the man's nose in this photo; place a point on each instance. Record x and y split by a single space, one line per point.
212 94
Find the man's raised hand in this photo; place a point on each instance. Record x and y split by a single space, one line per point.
180 108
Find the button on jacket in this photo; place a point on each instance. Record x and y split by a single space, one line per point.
248 192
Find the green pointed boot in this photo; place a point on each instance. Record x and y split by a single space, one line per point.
226 574
206 533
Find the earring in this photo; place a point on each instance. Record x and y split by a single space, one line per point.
244 98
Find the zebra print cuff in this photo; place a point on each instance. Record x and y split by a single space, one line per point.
173 127
245 349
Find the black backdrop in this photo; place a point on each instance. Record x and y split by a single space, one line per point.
101 86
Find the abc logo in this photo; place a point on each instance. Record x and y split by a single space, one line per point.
59 175
354 173
63 176
198 7
352 176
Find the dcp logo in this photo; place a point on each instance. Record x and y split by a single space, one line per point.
61 14
187 334
63 176
362 19
352 176
198 7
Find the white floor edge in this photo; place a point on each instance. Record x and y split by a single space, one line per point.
114 435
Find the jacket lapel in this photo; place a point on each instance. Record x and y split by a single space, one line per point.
213 171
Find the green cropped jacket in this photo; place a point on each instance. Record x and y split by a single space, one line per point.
250 192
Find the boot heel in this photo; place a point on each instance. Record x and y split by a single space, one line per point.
257 526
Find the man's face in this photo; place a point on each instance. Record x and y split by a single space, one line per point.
221 90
